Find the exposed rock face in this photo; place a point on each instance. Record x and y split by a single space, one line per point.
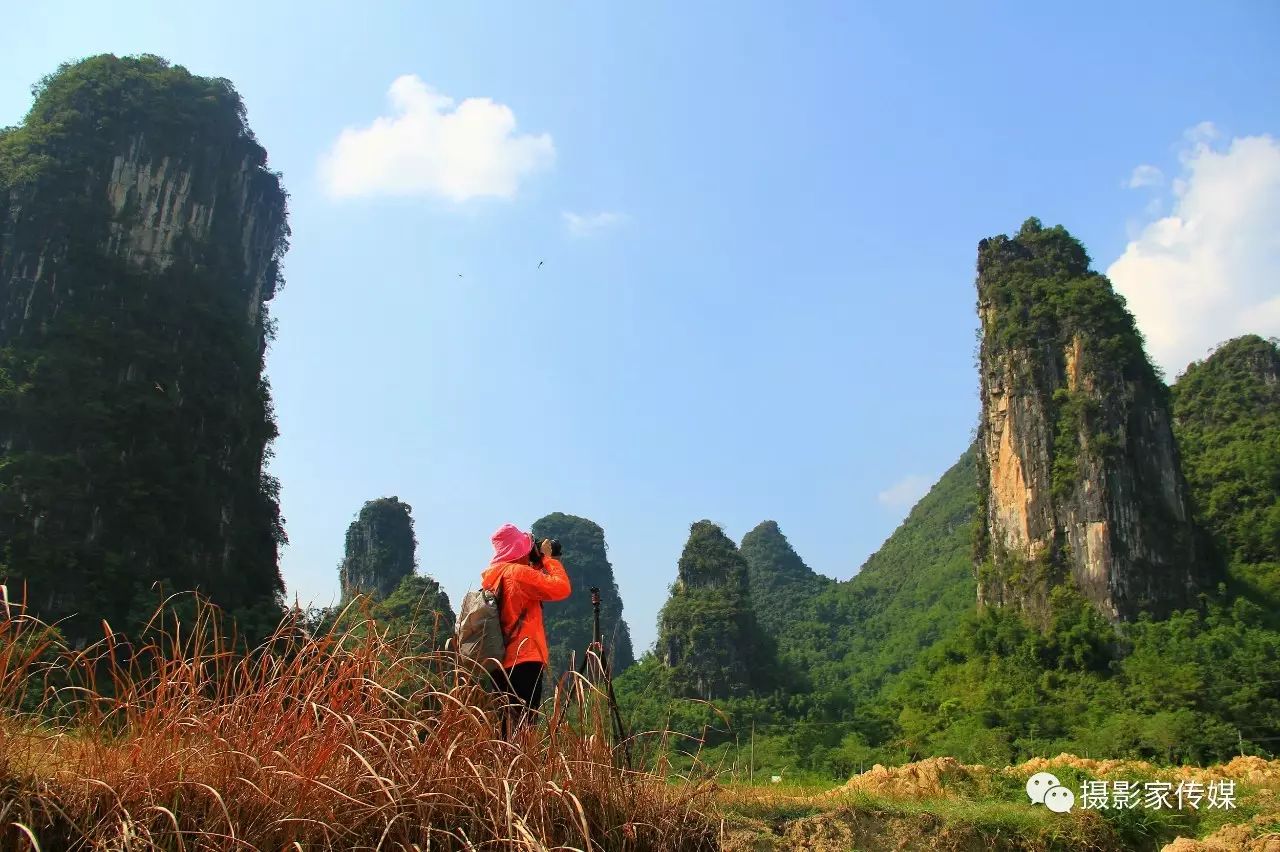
380 549
1078 469
782 586
156 209
140 240
707 632
569 623
150 203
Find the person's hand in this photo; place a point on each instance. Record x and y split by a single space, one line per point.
545 546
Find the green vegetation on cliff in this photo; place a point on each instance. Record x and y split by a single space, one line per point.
379 564
134 416
909 594
417 607
1077 465
1038 289
1227 419
569 622
782 587
708 636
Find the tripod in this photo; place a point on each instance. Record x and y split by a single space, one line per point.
595 667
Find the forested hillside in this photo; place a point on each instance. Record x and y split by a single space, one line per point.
1227 419
901 662
848 640
910 593
784 587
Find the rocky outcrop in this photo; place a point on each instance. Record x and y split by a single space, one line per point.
148 199
569 623
1078 470
158 208
708 636
140 241
380 550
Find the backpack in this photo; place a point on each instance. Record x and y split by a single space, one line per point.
479 630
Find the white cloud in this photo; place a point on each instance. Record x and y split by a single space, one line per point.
1145 175
1210 269
1202 134
429 147
584 225
904 493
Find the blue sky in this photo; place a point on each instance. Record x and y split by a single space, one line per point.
774 315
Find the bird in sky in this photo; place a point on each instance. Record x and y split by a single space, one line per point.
540 263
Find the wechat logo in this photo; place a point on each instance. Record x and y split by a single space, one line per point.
1044 788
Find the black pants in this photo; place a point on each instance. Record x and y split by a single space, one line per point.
522 684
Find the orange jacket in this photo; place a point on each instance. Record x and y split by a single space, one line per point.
523 591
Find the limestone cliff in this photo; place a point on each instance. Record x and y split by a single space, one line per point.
140 241
708 636
1078 470
569 622
380 549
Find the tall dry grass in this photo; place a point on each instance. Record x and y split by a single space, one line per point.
339 741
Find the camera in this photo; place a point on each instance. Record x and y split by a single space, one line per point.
535 553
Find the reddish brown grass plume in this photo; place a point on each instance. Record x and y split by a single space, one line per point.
338 741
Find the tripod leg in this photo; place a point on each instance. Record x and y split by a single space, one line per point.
620 730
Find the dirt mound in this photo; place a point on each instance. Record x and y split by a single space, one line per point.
853 825
1229 838
877 829
1239 837
926 779
872 830
1096 768
1252 769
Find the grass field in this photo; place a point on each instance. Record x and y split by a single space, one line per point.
343 741
944 805
335 742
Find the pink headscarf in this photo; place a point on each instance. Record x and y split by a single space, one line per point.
509 544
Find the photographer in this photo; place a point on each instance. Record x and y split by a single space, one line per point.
523 576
